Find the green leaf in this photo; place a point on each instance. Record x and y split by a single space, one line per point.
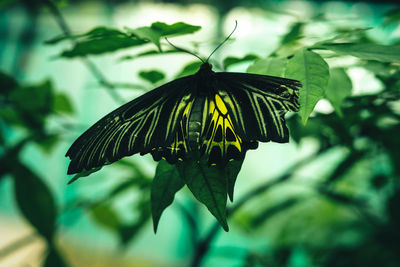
208 185
35 200
62 104
5 3
313 72
367 51
157 30
47 142
165 184
232 170
83 174
189 69
103 214
101 45
7 84
142 209
273 66
228 61
178 28
266 213
54 258
392 17
294 33
339 87
148 53
98 32
152 76
147 33
42 95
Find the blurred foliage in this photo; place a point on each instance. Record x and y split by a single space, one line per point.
348 217
26 110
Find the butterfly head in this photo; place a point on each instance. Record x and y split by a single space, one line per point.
205 67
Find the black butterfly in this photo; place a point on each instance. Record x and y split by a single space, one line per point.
219 115
213 115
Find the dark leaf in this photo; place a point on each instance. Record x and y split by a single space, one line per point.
393 207
379 181
54 258
148 53
83 174
142 183
62 104
345 165
189 69
157 30
33 113
229 61
208 185
101 45
152 76
129 231
7 84
98 32
35 200
41 93
5 3
267 213
104 215
48 142
175 29
165 184
340 197
294 33
392 17
232 170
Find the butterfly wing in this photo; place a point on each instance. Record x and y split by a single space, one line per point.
244 110
142 125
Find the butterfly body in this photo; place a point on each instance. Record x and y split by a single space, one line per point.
215 115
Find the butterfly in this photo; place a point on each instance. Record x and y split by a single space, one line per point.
213 116
216 115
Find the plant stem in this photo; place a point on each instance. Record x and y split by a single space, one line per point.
17 244
89 64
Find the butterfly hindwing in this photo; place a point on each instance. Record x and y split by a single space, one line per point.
220 140
258 103
142 125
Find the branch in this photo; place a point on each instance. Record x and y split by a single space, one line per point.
89 64
17 244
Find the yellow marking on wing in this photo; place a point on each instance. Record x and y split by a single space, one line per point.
186 111
220 117
175 144
220 104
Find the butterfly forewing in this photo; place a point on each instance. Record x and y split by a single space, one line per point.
142 125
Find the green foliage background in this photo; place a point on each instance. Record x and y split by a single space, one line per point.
336 204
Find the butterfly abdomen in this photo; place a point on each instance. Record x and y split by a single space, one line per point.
194 125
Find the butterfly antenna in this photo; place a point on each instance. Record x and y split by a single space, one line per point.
226 39
184 50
